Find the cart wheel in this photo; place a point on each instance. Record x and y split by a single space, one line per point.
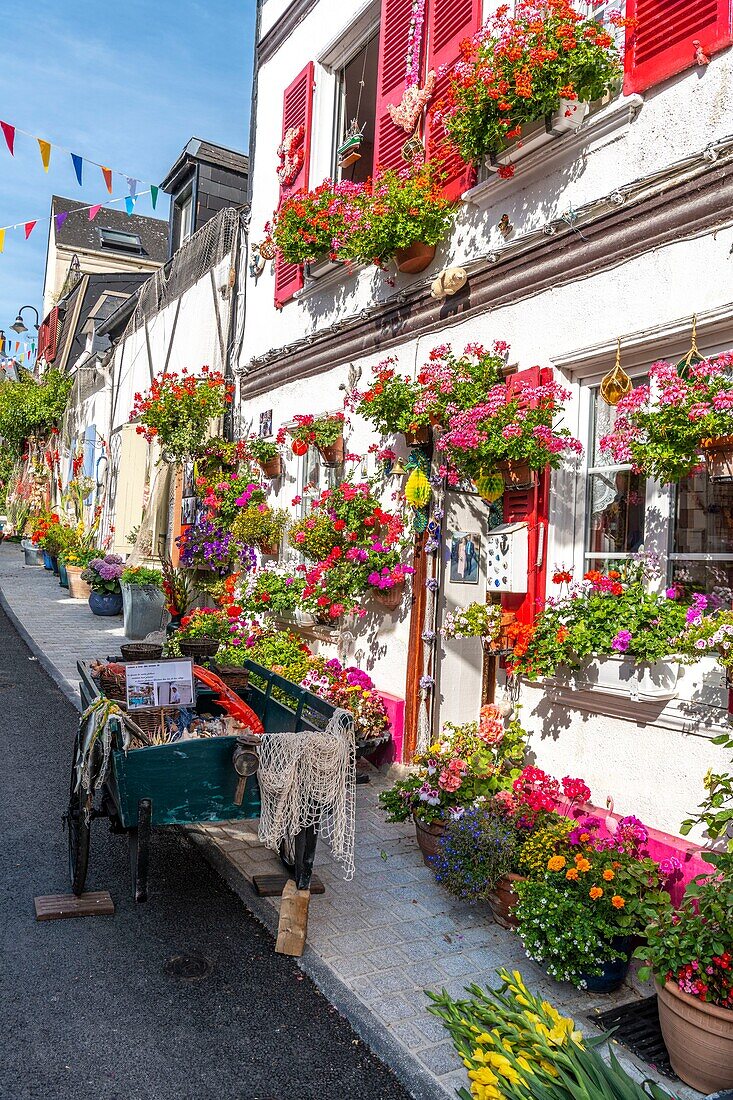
78 824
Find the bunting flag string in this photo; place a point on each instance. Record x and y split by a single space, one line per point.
10 133
92 211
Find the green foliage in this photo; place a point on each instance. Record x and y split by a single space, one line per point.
389 403
262 450
142 575
178 410
260 526
474 852
274 592
30 407
314 536
715 812
205 622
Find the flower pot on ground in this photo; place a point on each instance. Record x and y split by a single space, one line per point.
63 576
503 898
143 601
415 258
47 561
55 565
78 588
33 556
613 973
428 837
698 1037
105 603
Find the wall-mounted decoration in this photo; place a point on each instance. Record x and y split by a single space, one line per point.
266 424
465 557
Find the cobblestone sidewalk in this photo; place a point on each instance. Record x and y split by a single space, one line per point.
375 943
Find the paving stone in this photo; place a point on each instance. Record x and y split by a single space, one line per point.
457 965
439 1059
409 1034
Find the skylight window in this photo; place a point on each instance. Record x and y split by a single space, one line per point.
120 241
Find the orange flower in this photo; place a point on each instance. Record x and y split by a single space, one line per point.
562 634
617 901
608 874
595 893
572 874
582 863
556 863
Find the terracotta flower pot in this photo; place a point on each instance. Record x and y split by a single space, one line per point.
698 1038
273 468
389 598
516 474
719 457
427 838
270 549
415 258
78 589
503 898
419 436
332 454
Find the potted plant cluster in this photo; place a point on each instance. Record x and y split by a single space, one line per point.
466 763
681 418
398 215
273 591
325 433
266 454
103 574
260 526
203 631
529 64
620 636
177 410
143 601
477 620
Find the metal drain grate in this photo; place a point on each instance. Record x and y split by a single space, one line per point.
189 968
636 1026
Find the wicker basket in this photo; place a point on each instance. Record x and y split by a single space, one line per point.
113 684
150 721
199 648
141 651
233 676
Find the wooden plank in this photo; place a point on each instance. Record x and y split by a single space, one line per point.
61 906
293 927
272 886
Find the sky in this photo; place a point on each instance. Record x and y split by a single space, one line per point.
124 84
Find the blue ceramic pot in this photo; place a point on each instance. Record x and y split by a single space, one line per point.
55 565
614 973
106 603
47 563
63 577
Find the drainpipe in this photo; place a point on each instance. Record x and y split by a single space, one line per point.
253 108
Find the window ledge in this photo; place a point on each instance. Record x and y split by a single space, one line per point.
317 631
339 274
538 163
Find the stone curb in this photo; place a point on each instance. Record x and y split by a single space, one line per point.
46 663
420 1084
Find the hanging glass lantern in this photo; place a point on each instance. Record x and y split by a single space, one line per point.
616 384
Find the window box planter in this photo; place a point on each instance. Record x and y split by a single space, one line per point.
625 676
565 119
414 259
317 269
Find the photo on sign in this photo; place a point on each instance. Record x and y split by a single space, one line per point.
188 510
189 480
465 557
266 423
160 684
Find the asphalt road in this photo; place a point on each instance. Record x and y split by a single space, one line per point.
87 1009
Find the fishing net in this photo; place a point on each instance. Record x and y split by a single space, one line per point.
309 778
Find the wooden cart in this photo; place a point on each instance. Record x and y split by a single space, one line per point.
185 782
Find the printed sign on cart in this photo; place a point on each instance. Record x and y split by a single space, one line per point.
160 684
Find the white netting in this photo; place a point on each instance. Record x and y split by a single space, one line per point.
309 778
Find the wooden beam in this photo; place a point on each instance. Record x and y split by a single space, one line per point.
415 646
272 886
61 906
293 926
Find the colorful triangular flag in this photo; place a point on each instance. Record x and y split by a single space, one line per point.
154 194
77 162
9 132
2 239
61 218
94 210
132 185
45 148
129 205
29 227
107 173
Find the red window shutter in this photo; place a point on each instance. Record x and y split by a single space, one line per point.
48 335
530 506
449 23
297 111
662 43
393 32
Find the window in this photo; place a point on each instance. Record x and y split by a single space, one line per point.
689 525
118 240
182 218
357 105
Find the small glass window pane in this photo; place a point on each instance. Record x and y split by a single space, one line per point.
616 506
704 516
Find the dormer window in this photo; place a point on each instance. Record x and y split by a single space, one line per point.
182 217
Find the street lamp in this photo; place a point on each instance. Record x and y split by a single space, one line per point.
19 327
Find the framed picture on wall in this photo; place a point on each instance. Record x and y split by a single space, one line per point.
266 423
465 557
189 480
188 510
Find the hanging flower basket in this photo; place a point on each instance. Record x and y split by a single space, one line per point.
389 598
273 468
332 454
414 259
719 457
503 642
417 436
517 474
